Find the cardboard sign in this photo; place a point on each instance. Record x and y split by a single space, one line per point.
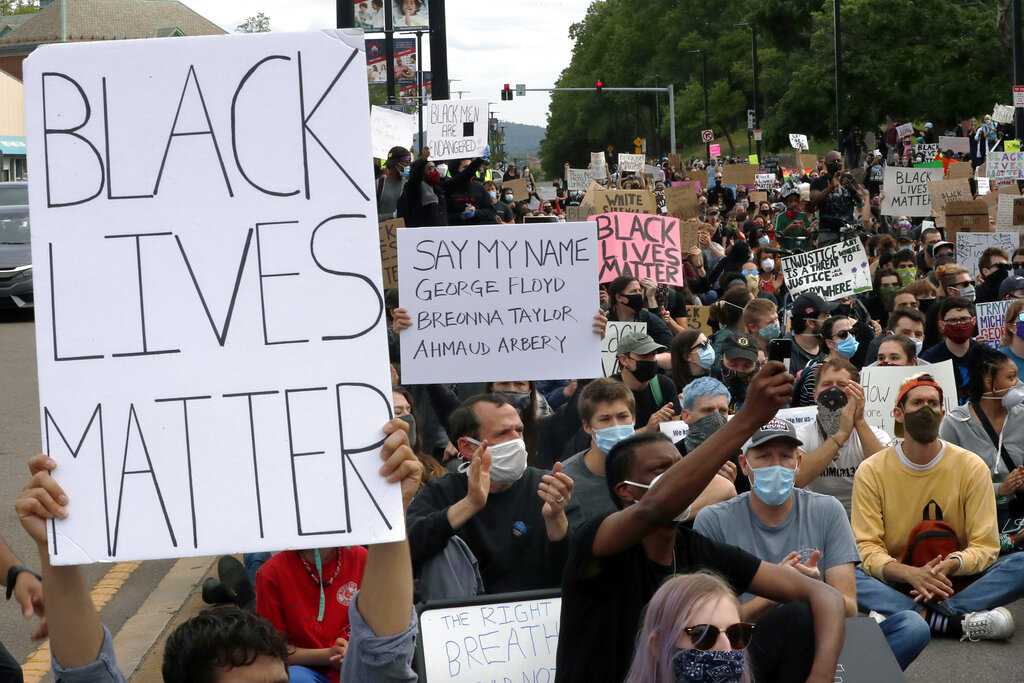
520 188
758 197
389 128
631 163
642 245
456 129
387 231
961 169
957 144
834 272
906 191
488 304
1009 212
682 201
944 191
1008 165
798 141
578 179
765 181
807 160
971 245
739 174
1002 113
970 216
697 319
904 130
631 201
882 384
219 373
610 344
991 322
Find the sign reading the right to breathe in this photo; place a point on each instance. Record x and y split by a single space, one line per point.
834 272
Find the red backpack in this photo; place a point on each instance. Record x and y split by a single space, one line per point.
929 538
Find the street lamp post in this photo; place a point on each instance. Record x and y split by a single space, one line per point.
704 87
1018 65
757 75
838 46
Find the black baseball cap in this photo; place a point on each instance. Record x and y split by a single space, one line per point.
810 305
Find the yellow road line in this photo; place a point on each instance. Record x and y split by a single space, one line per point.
38 663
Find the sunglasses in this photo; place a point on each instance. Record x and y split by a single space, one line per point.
704 636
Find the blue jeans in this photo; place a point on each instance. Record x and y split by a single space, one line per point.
907 634
302 674
1001 584
253 561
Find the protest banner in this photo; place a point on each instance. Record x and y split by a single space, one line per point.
991 318
491 305
807 160
682 201
715 150
970 245
971 216
1008 165
509 637
1002 113
456 129
630 201
697 319
881 385
906 191
984 186
631 163
764 181
389 251
389 129
219 335
739 174
833 272
1011 145
610 344
905 129
758 197
675 430
925 151
798 141
641 245
798 416
955 144
520 188
578 179
961 169
598 166
944 191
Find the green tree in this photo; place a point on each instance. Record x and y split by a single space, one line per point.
9 7
260 23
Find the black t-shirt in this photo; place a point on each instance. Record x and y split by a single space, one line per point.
838 208
961 365
645 403
603 598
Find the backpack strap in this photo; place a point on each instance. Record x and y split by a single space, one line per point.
994 437
656 392
937 513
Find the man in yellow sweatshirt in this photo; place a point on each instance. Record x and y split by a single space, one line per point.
890 493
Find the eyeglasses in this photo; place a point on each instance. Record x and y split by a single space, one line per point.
958 321
700 347
704 636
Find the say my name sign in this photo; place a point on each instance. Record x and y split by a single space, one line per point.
642 245
456 129
834 272
200 387
492 305
906 191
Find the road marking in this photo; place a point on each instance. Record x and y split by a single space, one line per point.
37 665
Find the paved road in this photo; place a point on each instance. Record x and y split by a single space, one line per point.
19 440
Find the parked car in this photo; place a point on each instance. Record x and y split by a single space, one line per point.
15 247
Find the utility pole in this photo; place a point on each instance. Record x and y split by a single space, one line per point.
757 91
837 35
1018 65
389 50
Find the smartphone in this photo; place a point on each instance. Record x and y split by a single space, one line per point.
780 349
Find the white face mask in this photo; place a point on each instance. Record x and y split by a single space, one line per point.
508 461
768 265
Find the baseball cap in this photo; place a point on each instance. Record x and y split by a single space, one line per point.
638 342
941 245
740 346
1010 285
811 305
776 428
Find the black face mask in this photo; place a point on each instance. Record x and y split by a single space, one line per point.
925 305
996 277
645 370
832 399
833 167
634 301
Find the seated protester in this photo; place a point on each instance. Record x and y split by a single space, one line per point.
957 325
739 363
810 312
229 644
903 321
495 491
693 626
993 269
761 321
629 303
991 425
924 478
691 356
1013 335
1012 288
839 439
655 394
928 239
705 411
882 301
729 313
839 343
404 407
797 528
896 350
1017 259
951 277
618 561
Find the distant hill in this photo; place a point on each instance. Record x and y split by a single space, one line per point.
521 140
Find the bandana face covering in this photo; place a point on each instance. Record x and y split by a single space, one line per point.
703 428
708 666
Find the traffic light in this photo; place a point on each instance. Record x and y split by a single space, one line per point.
598 86
506 93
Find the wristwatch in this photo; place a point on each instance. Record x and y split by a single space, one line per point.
12 577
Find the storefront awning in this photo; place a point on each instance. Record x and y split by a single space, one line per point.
12 145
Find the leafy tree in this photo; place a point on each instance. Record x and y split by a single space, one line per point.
9 7
256 24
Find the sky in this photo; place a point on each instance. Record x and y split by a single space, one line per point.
489 44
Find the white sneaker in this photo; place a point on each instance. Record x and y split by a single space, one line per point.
996 624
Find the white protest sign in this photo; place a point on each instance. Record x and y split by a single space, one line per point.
798 141
905 129
578 179
610 344
598 166
675 430
389 129
631 163
1005 165
456 129
798 416
1005 212
956 144
764 181
1002 113
882 385
492 305
210 368
906 191
834 272
991 322
927 151
971 245
498 641
984 186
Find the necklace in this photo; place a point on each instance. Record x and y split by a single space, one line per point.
312 570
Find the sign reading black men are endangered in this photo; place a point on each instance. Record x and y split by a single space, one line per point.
202 390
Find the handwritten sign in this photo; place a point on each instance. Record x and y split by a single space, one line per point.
1009 212
632 201
925 151
798 416
489 304
389 128
905 129
598 166
991 322
961 169
970 246
834 272
631 163
681 201
807 160
515 640
698 319
715 150
219 353
520 188
578 179
1008 165
765 181
943 192
1002 113
739 174
610 344
798 141
675 430
882 385
906 191
387 231
456 129
957 145
641 245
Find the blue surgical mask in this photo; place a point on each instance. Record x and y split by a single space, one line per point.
763 240
706 357
772 331
847 347
406 171
749 273
773 484
606 437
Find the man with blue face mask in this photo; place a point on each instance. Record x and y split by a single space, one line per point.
796 528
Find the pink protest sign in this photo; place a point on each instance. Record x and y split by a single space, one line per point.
715 150
641 245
